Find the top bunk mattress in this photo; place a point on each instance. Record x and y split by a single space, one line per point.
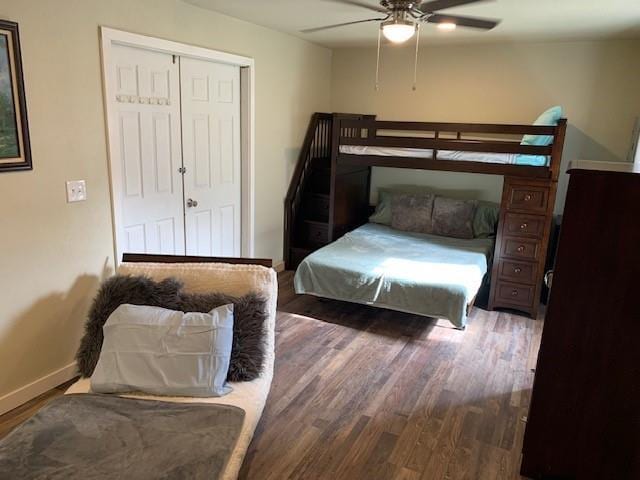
411 272
483 157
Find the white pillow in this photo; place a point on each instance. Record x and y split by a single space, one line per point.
164 352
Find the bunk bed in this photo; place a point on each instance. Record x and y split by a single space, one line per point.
329 197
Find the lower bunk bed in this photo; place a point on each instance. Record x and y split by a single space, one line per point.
377 265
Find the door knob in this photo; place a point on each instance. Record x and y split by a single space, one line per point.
191 203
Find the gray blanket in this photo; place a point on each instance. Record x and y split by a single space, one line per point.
108 437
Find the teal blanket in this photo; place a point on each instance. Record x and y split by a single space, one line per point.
411 272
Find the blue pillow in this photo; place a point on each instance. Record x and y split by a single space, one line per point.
549 117
535 160
165 352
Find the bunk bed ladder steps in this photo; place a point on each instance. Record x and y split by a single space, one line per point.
307 201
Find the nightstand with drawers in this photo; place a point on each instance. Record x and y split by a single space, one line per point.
521 244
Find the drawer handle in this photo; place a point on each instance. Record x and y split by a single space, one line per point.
520 248
527 197
523 226
514 293
517 270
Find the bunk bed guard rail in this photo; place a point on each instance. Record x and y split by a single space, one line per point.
439 137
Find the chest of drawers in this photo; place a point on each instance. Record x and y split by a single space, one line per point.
521 244
584 418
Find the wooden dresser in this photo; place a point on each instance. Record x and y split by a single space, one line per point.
584 419
526 215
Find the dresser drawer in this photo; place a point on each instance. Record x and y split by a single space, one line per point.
529 198
522 224
514 294
520 248
316 233
520 272
317 206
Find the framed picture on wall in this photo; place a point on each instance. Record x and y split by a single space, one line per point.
15 151
634 152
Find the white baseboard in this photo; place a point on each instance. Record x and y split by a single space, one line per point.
279 266
23 394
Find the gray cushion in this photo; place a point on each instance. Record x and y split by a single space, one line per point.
485 221
412 212
453 218
165 352
382 213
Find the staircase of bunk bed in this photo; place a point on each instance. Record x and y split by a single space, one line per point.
306 210
310 207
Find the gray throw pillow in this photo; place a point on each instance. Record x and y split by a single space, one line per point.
485 221
412 212
453 218
165 352
382 212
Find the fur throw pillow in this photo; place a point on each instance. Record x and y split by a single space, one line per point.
250 315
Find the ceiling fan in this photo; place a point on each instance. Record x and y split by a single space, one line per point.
402 18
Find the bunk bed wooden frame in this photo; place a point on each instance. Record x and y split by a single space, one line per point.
526 209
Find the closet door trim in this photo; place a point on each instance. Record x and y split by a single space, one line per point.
110 37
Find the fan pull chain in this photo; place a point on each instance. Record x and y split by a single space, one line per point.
378 60
415 60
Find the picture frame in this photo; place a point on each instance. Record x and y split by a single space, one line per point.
15 148
634 151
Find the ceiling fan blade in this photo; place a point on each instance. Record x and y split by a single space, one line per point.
317 29
436 5
375 8
472 22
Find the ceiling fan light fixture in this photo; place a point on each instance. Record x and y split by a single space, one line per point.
447 26
398 30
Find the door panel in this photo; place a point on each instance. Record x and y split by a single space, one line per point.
147 153
210 97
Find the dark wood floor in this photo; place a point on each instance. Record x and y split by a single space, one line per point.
364 393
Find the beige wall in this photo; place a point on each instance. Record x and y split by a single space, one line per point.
53 254
595 82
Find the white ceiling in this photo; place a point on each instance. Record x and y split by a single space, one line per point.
521 19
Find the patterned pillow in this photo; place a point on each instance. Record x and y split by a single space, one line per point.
485 221
453 218
412 212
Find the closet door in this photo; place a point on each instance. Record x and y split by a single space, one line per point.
210 95
144 130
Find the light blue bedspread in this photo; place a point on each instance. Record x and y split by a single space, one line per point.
411 272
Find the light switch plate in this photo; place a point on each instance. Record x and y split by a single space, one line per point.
76 191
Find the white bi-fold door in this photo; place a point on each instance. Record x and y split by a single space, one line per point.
144 129
210 95
174 130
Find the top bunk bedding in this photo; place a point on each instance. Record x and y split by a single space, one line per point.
411 272
482 157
